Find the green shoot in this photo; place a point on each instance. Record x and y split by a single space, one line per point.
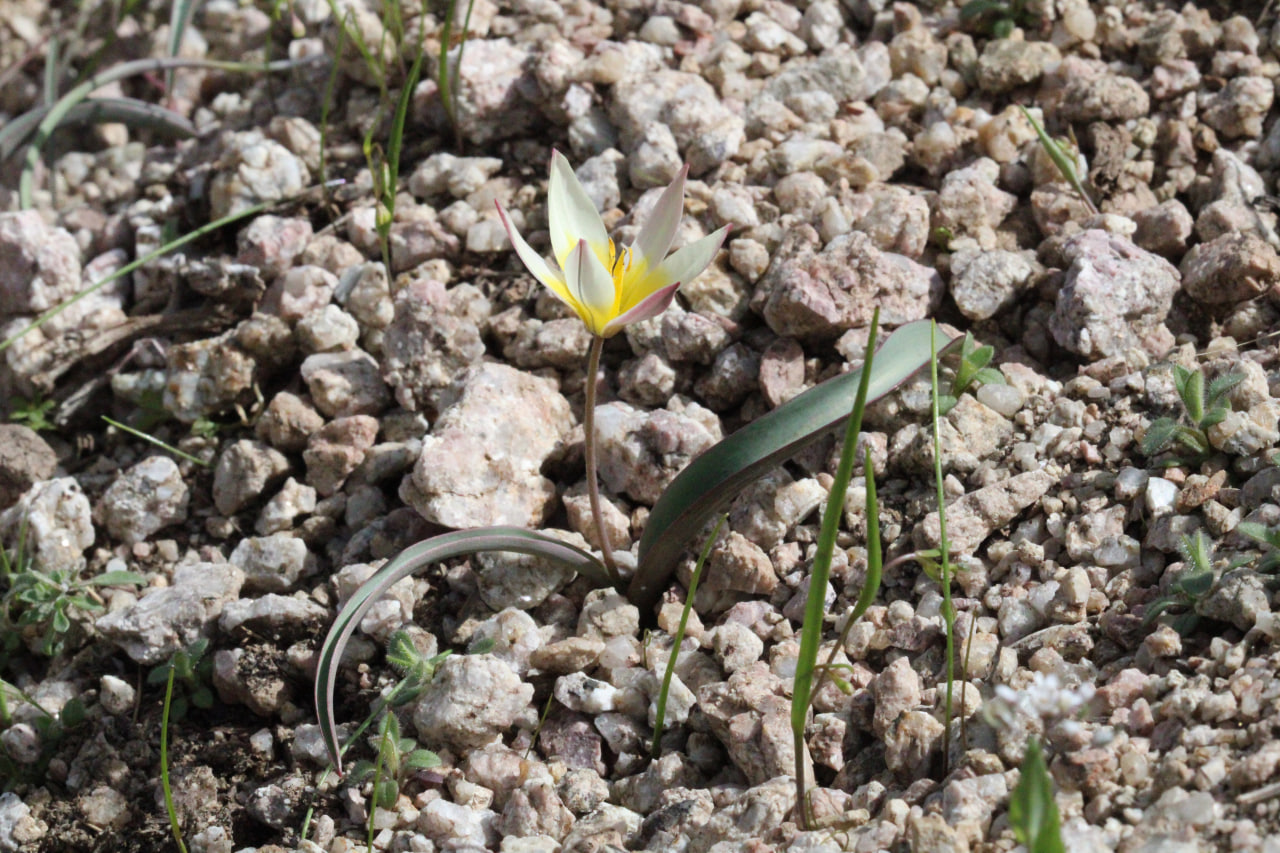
995 18
448 82
192 669
1194 582
181 454
1032 812
1205 407
164 759
386 169
542 719
679 637
815 603
34 412
44 603
948 611
1066 164
870 584
973 368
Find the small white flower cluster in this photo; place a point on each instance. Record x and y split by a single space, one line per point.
1045 699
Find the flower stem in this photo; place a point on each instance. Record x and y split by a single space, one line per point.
589 450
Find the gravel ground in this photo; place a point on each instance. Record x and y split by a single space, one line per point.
331 414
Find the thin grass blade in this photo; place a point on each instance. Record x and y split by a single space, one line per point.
444 547
711 481
815 607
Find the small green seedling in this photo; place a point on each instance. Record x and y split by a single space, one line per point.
1191 586
1033 814
397 759
35 413
1263 535
996 18
191 669
973 368
1205 407
49 605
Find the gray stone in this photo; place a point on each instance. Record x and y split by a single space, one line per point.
480 464
25 459
642 452
270 563
1114 298
985 283
336 450
972 518
147 497
243 472
39 265
58 524
814 295
470 702
252 170
168 618
345 383
1232 268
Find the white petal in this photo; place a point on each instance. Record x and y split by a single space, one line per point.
571 214
651 306
590 282
685 265
541 270
660 229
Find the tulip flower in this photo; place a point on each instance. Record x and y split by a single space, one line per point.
608 287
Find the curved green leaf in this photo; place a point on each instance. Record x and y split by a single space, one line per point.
712 480
59 111
461 543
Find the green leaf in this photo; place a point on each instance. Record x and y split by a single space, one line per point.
711 481
1156 608
946 403
387 792
989 376
202 697
1196 584
482 646
460 543
1190 385
1220 387
72 713
1260 533
1033 814
1159 435
421 759
61 624
120 578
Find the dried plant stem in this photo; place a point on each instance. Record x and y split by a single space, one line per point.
589 451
